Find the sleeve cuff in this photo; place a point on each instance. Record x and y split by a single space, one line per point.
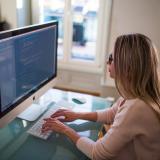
100 115
85 145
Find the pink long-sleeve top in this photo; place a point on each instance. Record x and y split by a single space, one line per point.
134 133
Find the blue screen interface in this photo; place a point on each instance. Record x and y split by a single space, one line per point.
26 61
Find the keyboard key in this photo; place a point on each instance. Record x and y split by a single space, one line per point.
35 130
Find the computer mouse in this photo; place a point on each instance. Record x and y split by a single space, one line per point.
79 100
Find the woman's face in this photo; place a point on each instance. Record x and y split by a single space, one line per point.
110 63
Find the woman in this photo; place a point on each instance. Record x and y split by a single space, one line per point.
135 117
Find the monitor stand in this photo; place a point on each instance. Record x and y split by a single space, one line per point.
32 112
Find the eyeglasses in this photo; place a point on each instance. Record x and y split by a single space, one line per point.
110 59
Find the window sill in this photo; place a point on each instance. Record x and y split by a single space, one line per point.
108 83
81 68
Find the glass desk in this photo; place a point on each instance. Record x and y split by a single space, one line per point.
17 144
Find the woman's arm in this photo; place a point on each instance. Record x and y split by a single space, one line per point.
91 116
105 116
115 140
57 126
71 115
105 148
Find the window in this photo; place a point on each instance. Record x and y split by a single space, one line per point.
85 14
83 27
54 10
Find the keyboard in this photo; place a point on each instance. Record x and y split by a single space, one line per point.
35 130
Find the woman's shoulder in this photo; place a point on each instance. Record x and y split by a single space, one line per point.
137 105
140 110
136 113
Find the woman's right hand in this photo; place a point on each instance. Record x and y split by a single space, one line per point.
69 115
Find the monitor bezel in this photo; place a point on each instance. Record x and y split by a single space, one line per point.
32 94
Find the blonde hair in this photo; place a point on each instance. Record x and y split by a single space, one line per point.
136 69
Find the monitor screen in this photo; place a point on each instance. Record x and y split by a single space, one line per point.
28 61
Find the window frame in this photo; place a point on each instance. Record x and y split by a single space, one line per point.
67 62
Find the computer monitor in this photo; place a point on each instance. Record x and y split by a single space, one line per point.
28 67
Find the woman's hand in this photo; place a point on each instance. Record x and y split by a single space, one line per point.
57 126
54 125
69 116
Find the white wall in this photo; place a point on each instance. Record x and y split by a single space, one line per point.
8 12
35 11
24 14
130 16
141 16
79 81
15 18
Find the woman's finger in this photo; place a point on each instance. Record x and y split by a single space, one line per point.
47 119
62 120
45 129
45 125
57 114
60 110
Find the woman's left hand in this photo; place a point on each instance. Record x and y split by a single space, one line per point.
54 125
